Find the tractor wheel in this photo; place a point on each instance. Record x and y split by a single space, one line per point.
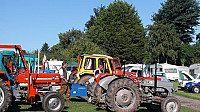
170 104
98 97
91 89
53 102
196 89
97 93
123 96
5 96
82 80
153 108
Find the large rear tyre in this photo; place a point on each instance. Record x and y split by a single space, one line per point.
99 99
5 96
91 89
123 96
170 104
82 80
53 102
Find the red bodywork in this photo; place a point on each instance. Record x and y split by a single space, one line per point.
32 79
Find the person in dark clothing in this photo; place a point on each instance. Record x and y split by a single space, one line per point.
66 85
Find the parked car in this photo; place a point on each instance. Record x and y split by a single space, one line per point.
185 77
194 87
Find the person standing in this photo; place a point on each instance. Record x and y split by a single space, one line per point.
66 85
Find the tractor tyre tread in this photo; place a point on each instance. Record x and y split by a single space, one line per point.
91 89
170 98
7 95
114 87
82 80
49 95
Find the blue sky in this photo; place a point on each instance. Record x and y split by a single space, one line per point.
32 23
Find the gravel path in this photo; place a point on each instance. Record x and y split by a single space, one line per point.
190 103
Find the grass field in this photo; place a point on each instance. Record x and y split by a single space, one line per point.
78 105
186 93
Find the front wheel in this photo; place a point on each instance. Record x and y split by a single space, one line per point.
53 102
170 104
196 89
123 96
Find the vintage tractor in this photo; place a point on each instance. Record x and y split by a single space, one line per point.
17 83
126 94
89 64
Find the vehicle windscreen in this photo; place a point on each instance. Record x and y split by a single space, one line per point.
116 62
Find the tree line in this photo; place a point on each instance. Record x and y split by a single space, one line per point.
117 30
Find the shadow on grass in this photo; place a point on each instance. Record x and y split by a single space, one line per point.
143 110
140 110
18 107
76 99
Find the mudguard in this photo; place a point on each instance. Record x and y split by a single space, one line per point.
104 82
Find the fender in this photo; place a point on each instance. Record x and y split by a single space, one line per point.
104 82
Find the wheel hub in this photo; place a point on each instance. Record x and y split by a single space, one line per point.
171 107
196 90
54 103
124 97
1 96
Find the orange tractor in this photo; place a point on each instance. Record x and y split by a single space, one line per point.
20 84
90 65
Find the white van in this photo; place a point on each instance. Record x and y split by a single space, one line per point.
194 68
171 71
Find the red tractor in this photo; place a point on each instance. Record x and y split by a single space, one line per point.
19 84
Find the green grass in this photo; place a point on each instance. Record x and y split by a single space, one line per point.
186 93
78 105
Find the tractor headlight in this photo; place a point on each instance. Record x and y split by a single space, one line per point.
147 81
150 82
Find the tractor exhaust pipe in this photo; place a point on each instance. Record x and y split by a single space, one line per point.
124 65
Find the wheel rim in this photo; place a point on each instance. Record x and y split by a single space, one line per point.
54 103
171 106
196 90
124 97
1 96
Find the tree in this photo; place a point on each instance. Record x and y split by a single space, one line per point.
45 48
163 43
187 55
184 14
82 46
97 11
118 30
73 43
70 37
